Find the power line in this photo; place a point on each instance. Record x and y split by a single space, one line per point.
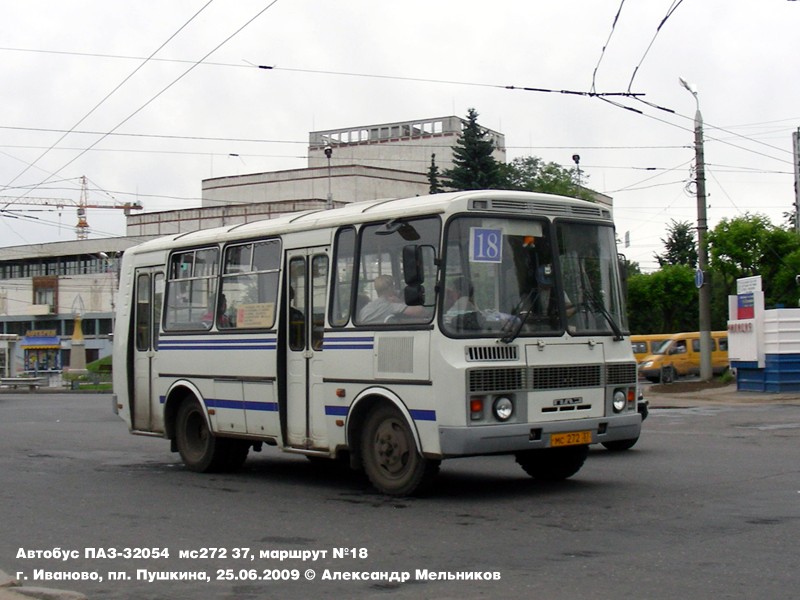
174 81
156 135
266 67
670 11
107 96
608 40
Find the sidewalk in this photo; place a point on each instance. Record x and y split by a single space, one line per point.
714 396
11 590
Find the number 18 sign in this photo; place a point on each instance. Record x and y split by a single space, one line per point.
485 245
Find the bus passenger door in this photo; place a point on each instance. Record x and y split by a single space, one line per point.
304 322
147 317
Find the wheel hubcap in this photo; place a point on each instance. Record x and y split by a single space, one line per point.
391 447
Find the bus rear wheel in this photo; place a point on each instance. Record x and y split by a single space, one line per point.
390 456
553 464
200 449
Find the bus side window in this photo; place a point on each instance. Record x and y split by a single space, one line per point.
297 304
192 285
249 285
319 282
342 286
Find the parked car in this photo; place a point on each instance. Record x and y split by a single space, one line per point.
679 356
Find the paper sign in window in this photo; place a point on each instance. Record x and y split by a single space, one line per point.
255 315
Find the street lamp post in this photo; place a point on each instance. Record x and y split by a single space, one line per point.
701 280
328 153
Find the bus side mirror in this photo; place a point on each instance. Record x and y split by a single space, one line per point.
414 295
413 270
414 257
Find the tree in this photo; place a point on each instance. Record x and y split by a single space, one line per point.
532 174
751 245
680 245
474 165
433 177
664 301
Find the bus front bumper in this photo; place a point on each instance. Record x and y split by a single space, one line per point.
500 439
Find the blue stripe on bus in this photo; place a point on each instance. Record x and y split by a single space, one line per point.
214 344
241 404
331 411
345 343
263 406
423 415
417 415
349 343
336 411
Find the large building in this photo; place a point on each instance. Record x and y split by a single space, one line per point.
43 288
389 160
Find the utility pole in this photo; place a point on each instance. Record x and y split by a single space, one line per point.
796 148
703 286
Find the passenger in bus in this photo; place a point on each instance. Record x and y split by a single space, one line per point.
223 320
461 312
460 296
546 306
388 303
297 324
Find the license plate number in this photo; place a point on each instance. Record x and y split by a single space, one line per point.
572 438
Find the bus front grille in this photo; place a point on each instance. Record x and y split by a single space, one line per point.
497 380
621 374
564 377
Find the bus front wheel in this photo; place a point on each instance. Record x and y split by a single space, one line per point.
390 456
553 464
621 445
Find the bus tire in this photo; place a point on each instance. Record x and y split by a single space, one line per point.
620 445
553 464
200 450
390 456
668 375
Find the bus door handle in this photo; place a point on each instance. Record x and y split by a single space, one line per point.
308 354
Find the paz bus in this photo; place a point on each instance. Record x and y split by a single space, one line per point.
392 334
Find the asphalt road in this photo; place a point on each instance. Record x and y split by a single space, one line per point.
707 504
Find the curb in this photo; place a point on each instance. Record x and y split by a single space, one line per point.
10 589
727 395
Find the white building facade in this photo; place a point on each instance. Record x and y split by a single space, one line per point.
369 162
42 289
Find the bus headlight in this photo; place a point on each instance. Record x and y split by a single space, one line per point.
620 400
503 408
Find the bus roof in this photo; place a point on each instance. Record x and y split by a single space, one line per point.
376 210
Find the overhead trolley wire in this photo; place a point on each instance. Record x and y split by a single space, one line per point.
107 96
194 65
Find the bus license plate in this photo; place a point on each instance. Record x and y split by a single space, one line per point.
572 438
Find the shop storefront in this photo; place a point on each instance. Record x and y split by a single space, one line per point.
42 351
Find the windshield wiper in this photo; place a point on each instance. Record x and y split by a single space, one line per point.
597 306
530 300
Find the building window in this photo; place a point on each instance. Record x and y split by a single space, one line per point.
45 292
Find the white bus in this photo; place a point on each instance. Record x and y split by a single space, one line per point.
393 333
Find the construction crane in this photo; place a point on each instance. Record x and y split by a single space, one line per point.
82 226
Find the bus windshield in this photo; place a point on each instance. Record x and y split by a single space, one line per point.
510 277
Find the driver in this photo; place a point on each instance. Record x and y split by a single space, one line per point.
387 303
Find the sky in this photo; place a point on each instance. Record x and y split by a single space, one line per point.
146 99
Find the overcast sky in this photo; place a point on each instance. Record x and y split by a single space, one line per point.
342 63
